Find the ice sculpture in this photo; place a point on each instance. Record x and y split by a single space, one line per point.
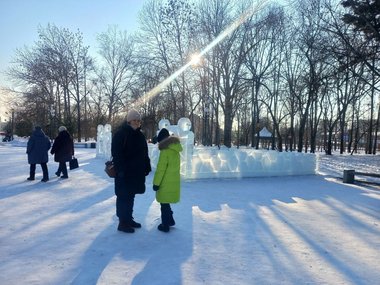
186 136
104 139
213 162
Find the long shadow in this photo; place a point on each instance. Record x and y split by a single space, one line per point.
108 245
62 190
213 207
331 258
18 171
257 194
159 255
168 251
19 188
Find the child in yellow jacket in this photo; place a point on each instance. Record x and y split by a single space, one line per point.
167 179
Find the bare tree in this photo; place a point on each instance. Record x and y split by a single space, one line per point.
311 42
361 47
263 62
177 17
55 63
165 45
155 54
117 69
230 55
213 18
68 60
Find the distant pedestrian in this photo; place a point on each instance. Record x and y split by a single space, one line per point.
167 179
37 149
130 157
63 150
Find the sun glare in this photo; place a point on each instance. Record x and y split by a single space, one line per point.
196 58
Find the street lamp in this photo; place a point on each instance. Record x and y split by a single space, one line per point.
206 112
12 123
52 120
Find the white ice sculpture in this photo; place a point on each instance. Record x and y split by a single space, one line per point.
186 136
99 141
103 141
107 140
163 123
213 162
187 140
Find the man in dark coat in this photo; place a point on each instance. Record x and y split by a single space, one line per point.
37 150
63 150
130 156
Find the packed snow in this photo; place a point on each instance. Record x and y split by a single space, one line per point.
299 229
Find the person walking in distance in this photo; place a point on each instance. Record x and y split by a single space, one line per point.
131 161
63 150
167 179
37 149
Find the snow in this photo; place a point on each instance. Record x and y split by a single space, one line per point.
309 229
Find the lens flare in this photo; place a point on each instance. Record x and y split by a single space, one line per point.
195 59
254 8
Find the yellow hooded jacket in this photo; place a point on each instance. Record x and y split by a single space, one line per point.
167 175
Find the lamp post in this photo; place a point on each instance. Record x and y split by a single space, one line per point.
206 124
52 119
208 119
12 122
369 130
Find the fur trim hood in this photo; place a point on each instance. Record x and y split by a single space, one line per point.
171 142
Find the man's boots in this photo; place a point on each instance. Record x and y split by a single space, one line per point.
125 227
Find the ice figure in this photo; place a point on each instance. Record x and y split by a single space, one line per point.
186 136
99 141
104 139
187 140
223 162
163 123
107 140
208 162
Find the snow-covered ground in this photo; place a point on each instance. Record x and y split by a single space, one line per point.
310 229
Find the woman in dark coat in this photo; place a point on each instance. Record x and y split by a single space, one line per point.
63 150
130 156
37 150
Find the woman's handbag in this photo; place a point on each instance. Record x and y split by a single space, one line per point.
73 163
110 169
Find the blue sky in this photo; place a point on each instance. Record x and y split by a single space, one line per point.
19 21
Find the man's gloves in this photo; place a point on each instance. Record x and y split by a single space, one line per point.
155 187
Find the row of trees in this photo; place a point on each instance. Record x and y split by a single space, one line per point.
308 71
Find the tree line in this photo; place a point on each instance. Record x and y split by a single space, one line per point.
307 70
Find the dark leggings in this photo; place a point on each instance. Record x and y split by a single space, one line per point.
166 214
62 169
124 207
44 170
